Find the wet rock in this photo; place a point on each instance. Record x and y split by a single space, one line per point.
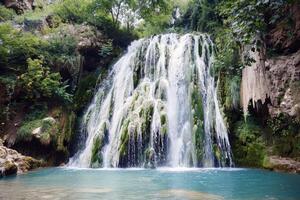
9 168
12 162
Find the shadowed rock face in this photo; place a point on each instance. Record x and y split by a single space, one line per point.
285 37
12 162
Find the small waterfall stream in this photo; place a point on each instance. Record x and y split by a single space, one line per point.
158 107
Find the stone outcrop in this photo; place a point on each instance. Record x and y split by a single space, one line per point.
277 163
275 82
12 162
19 5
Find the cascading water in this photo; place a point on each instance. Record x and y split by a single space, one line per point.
158 107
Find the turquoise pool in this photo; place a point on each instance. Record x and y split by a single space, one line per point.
163 183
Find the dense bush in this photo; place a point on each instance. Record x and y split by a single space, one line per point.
39 82
285 135
249 148
6 14
16 46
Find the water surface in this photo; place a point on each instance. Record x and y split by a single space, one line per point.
163 183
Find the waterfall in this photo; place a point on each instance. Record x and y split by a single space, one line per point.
157 107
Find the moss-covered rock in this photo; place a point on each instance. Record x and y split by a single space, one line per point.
96 159
9 168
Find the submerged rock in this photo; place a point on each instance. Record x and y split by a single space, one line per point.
12 162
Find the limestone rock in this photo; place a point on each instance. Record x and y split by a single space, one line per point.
274 83
12 162
277 80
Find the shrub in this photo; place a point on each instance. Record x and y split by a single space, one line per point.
249 148
39 82
6 14
16 46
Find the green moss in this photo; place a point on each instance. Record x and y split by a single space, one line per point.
198 117
65 130
96 159
217 152
85 91
164 130
124 139
25 131
163 119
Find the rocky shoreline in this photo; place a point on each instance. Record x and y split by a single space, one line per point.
12 162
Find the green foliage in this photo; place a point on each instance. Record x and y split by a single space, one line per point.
106 49
96 159
227 57
249 19
36 111
285 134
249 149
39 82
74 10
25 131
60 50
155 25
16 46
84 92
201 16
6 14
198 117
229 90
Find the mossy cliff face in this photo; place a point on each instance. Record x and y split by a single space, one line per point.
45 135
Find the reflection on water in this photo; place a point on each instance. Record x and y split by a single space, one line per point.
189 195
165 184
